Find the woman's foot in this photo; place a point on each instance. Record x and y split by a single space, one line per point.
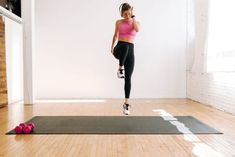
126 109
120 73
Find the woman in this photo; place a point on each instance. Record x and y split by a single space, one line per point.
125 32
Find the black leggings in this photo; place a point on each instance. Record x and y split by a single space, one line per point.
124 52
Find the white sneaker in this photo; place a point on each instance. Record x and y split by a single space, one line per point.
120 73
126 109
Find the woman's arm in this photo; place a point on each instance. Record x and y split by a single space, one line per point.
135 23
115 36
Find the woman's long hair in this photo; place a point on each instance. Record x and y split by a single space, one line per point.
123 7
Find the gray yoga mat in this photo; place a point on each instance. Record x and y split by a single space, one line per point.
118 125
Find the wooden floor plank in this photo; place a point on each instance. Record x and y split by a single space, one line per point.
118 145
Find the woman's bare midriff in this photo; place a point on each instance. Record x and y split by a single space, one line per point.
126 40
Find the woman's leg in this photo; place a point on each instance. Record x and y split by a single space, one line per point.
129 67
121 52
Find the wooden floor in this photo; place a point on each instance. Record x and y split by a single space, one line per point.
210 145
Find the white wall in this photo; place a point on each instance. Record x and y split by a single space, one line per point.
215 89
73 40
14 57
28 18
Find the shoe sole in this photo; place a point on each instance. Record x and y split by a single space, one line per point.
120 76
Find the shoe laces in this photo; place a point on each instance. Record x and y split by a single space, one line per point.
127 106
121 71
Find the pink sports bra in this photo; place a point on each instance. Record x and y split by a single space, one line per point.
126 30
